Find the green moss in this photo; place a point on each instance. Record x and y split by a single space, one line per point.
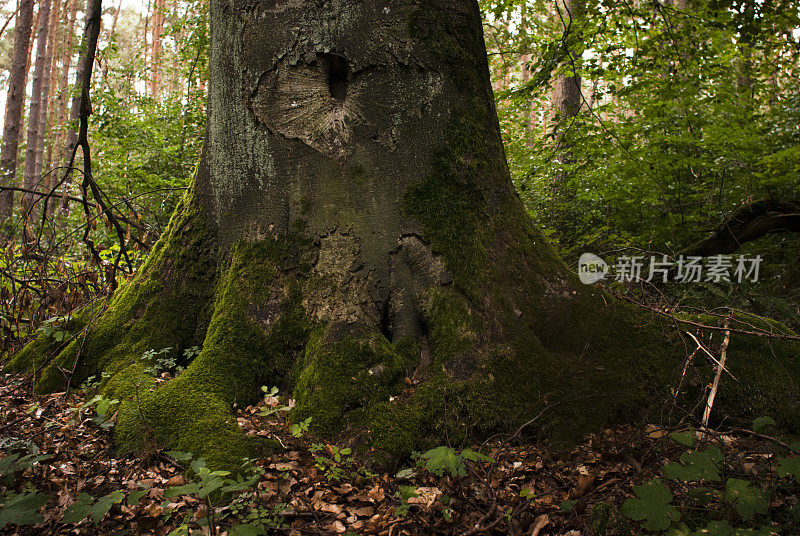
338 379
257 325
181 417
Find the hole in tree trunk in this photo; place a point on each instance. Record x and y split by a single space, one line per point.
386 321
337 72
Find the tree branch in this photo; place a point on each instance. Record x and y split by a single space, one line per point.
749 222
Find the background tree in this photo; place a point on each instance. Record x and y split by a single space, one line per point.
38 100
15 104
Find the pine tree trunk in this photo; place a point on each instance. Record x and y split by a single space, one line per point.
71 136
15 104
159 8
352 236
30 177
47 86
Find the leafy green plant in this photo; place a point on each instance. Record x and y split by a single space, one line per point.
446 459
298 429
105 409
335 463
21 508
55 328
217 487
404 493
87 506
273 405
21 455
651 506
747 499
696 466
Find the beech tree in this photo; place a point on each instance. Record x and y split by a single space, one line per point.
352 235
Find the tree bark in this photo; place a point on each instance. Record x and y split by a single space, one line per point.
15 103
84 64
159 8
47 86
352 236
30 177
566 95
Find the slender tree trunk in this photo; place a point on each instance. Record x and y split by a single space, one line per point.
28 64
15 104
159 8
63 97
145 32
352 236
48 86
566 95
111 36
30 177
84 64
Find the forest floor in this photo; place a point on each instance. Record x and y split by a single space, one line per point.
61 475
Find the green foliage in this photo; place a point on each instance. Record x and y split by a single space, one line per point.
21 455
105 409
337 464
789 467
651 506
686 439
86 506
440 459
298 429
696 466
21 508
404 493
54 327
683 119
761 424
747 499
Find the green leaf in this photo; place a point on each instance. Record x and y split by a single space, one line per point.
187 489
789 467
79 510
22 508
444 458
471 455
247 530
718 528
179 455
686 439
104 504
760 424
651 506
747 499
696 466
182 530
135 496
209 487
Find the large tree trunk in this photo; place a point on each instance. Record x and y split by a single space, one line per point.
352 235
15 103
